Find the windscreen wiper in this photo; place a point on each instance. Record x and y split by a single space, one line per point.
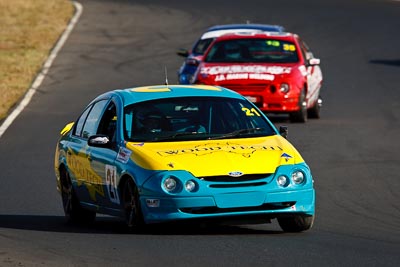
239 132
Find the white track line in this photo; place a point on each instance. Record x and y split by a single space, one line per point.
40 77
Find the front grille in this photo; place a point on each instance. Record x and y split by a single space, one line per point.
243 178
215 210
237 185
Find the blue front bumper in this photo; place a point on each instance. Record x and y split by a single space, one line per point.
270 204
260 196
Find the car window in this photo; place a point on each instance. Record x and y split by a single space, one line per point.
254 51
108 122
92 120
81 121
307 54
201 46
193 118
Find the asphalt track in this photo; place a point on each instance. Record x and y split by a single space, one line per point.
353 149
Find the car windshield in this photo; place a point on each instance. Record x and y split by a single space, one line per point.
253 51
194 118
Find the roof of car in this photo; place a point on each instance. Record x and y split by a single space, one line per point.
244 35
139 94
218 30
263 27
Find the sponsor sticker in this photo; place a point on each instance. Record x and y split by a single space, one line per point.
123 155
244 76
246 69
286 156
245 150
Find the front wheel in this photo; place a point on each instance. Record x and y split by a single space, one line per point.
314 112
131 205
72 209
296 223
301 114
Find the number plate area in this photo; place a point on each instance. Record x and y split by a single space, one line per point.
247 199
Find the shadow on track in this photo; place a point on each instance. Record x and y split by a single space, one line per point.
389 62
111 225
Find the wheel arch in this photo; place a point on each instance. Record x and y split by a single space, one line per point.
61 177
299 87
304 87
125 177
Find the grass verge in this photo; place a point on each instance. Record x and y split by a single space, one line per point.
28 31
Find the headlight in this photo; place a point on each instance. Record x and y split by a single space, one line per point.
284 88
190 186
282 181
170 184
298 177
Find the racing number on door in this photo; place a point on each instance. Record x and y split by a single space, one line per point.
111 183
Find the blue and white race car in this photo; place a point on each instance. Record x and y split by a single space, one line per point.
181 152
195 55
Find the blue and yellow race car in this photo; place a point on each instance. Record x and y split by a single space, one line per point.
174 152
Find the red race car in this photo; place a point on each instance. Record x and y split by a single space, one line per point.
275 71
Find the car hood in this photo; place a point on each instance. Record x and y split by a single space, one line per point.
248 73
216 157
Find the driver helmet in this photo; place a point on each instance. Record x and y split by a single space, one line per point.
150 120
232 50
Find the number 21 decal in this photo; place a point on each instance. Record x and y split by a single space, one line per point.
111 183
251 112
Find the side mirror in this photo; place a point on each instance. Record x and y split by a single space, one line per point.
99 140
283 130
314 61
182 52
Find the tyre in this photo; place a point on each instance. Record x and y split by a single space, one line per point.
131 205
301 114
72 209
314 112
296 223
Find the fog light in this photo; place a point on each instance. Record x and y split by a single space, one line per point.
153 203
170 184
190 186
282 181
298 177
